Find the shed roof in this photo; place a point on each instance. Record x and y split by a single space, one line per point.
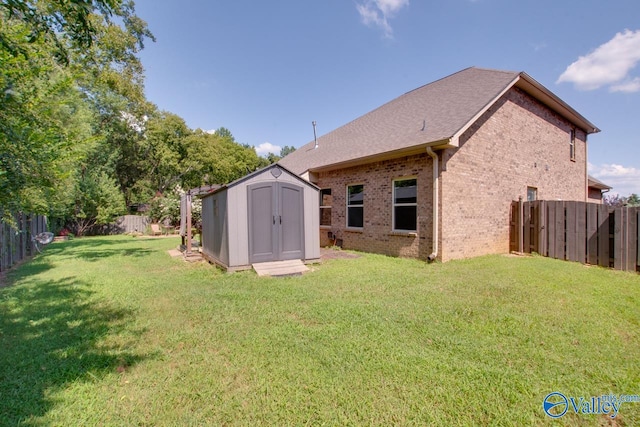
430 115
275 166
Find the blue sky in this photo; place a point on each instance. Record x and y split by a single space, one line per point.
266 69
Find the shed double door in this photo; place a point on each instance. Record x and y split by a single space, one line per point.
276 222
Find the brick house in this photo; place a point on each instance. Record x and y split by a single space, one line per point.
432 173
596 189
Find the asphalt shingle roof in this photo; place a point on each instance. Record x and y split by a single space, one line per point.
434 112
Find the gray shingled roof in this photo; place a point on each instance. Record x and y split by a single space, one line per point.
431 113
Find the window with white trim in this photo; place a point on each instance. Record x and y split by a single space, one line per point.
355 206
325 206
532 194
405 204
572 144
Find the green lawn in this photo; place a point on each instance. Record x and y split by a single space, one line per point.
112 331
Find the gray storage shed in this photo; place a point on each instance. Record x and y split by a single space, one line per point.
269 215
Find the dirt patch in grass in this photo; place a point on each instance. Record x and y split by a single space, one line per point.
328 253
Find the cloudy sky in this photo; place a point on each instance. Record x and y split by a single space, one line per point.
265 70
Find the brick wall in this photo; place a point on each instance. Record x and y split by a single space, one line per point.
516 144
595 195
376 235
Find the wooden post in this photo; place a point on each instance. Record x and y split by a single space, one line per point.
188 252
520 225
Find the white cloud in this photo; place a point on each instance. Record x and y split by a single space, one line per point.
628 86
266 148
609 64
624 180
376 13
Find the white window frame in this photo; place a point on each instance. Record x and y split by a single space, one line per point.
354 206
394 204
572 145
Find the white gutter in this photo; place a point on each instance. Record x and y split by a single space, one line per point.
435 221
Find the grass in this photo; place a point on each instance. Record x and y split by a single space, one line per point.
112 331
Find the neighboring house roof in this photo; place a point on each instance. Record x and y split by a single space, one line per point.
597 184
432 115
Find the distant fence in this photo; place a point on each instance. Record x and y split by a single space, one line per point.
131 224
589 233
15 241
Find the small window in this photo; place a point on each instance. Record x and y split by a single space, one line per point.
405 204
532 194
355 206
572 144
325 206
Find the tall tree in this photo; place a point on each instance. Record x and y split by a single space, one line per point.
68 72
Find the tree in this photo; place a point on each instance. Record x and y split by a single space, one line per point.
633 200
286 150
614 200
617 200
218 159
97 201
67 71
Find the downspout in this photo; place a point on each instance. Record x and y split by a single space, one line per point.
435 221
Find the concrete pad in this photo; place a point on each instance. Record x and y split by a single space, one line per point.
174 253
280 268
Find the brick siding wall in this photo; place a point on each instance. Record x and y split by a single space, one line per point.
595 195
516 144
376 235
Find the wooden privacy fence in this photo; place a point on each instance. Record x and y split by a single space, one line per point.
130 224
589 233
15 240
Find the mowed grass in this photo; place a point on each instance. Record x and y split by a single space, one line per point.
112 331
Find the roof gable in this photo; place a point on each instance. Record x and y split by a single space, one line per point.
432 114
276 168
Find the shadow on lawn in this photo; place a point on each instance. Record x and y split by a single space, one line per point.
51 335
95 248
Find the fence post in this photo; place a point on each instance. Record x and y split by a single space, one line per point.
542 229
630 236
520 226
619 258
592 233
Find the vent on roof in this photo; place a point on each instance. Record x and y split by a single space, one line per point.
315 138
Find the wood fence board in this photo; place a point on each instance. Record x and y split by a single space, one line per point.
592 233
514 227
542 229
631 242
570 229
581 232
527 228
638 239
560 239
551 228
15 243
604 236
618 238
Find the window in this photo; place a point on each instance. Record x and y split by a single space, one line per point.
405 204
325 206
532 194
572 144
355 208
